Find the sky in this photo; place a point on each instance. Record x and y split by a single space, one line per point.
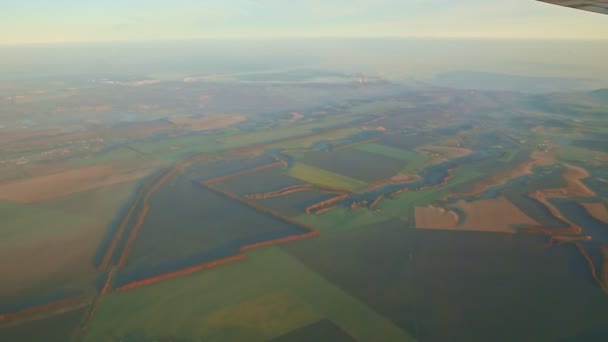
50 21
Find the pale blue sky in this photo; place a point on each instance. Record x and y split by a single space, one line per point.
27 21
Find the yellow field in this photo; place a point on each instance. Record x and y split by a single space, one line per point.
322 177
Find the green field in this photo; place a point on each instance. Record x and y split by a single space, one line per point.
414 159
267 295
340 219
64 233
59 328
322 177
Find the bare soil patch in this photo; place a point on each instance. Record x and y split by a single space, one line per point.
60 260
64 183
403 178
575 187
539 158
432 217
597 210
490 215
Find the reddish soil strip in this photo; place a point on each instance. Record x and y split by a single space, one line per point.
279 241
604 250
258 207
178 166
559 239
64 183
575 187
376 201
592 267
180 273
41 308
397 192
311 233
324 210
282 192
96 301
244 172
376 119
214 263
123 224
142 214
133 236
326 203
297 188
597 209
571 234
539 158
572 229
500 178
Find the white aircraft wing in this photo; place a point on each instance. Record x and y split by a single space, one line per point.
599 6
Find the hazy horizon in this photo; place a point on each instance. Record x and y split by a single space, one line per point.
31 21
402 59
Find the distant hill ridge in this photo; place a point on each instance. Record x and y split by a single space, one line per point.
600 94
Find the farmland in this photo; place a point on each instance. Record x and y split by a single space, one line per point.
230 210
281 292
65 233
322 177
259 182
354 163
414 160
205 232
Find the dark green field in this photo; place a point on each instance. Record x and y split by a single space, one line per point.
211 226
461 286
414 193
355 163
59 328
259 182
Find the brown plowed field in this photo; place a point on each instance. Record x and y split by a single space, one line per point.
538 158
64 183
432 217
597 210
491 215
